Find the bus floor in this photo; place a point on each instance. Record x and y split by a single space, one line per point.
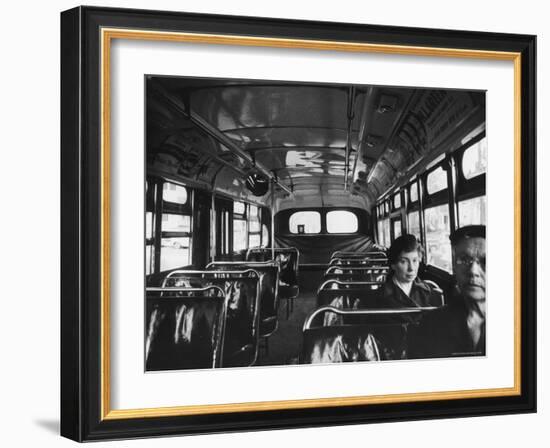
285 345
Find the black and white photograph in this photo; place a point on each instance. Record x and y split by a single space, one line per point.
295 223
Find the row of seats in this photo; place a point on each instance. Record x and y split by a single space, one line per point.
185 327
351 322
361 334
289 260
218 316
353 280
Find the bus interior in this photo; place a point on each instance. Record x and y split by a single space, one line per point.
270 207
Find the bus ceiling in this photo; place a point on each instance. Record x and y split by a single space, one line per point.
309 145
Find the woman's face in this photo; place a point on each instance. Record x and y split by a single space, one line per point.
406 267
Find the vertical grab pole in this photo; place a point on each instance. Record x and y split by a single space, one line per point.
273 219
213 227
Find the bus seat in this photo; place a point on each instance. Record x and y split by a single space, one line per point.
242 291
373 251
363 335
269 289
367 274
359 261
184 331
352 294
438 292
338 344
288 258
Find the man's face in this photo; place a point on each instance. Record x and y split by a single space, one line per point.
469 267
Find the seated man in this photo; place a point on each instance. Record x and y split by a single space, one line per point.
457 329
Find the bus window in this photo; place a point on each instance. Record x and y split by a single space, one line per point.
413 192
305 222
174 193
384 232
471 200
254 228
341 221
240 235
176 223
150 206
438 245
474 159
472 211
396 228
149 244
254 240
397 201
414 224
380 229
149 259
253 219
265 236
437 180
149 225
174 246
239 208
175 243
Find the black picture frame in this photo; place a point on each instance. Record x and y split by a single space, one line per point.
83 409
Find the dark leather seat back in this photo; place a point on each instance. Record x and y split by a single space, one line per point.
350 343
269 286
288 258
359 262
349 294
350 298
359 335
373 252
185 329
242 326
365 274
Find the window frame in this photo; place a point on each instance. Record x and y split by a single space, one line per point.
239 217
341 233
364 221
173 208
249 220
475 186
321 222
393 221
156 204
458 189
394 196
151 196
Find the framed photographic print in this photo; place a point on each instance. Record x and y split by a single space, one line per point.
277 224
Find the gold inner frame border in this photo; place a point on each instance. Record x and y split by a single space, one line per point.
107 35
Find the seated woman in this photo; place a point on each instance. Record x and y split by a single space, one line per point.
403 288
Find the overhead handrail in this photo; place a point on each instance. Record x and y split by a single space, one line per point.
181 289
247 263
366 261
353 269
270 249
357 284
340 253
208 273
363 312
